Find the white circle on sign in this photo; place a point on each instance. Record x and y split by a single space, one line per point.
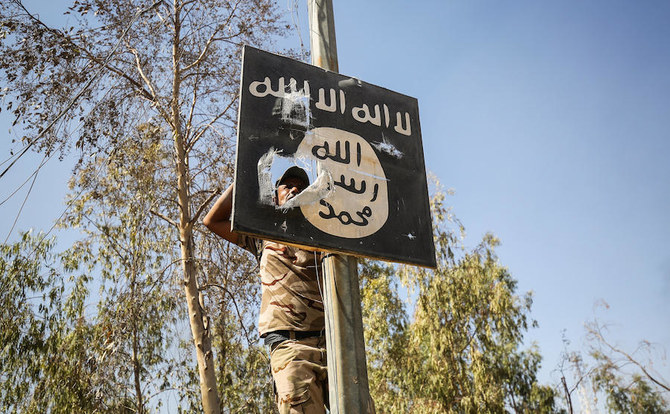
357 205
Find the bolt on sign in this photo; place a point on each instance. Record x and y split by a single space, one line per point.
361 147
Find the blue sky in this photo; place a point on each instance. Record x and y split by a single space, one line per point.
549 120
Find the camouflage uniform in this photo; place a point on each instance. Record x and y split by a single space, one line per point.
299 371
291 302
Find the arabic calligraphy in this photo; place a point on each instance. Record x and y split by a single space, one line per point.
374 193
337 156
332 100
281 90
331 106
344 216
351 187
366 117
357 202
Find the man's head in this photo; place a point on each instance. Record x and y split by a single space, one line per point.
292 182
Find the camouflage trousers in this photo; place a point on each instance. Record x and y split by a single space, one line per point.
300 375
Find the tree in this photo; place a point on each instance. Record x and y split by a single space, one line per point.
607 371
173 64
636 391
136 309
244 367
460 350
134 325
125 345
43 332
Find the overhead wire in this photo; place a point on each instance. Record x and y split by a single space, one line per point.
44 161
23 204
12 156
37 170
53 122
295 17
87 85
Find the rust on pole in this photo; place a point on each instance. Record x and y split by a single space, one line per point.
347 367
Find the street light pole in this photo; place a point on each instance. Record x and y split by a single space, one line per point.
347 368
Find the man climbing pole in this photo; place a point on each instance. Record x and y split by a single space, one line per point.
291 319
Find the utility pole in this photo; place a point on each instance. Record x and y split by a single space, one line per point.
347 367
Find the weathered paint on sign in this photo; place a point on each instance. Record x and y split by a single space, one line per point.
359 143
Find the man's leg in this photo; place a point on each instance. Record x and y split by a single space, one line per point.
299 371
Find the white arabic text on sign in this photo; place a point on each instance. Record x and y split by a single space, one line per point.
376 116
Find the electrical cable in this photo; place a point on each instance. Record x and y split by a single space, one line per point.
72 201
12 156
295 17
62 113
22 205
39 167
331 357
86 85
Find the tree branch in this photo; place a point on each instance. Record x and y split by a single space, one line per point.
144 77
596 332
191 113
203 206
143 92
114 244
169 220
204 51
210 123
237 310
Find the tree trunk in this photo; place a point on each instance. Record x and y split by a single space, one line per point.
137 369
199 324
137 365
198 320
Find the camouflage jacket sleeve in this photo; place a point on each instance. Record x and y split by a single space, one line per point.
252 245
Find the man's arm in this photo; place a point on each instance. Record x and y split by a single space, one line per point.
218 217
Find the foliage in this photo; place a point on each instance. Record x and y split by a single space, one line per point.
460 352
172 67
628 384
605 371
134 325
43 331
625 394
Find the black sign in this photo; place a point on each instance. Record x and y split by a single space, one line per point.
361 148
